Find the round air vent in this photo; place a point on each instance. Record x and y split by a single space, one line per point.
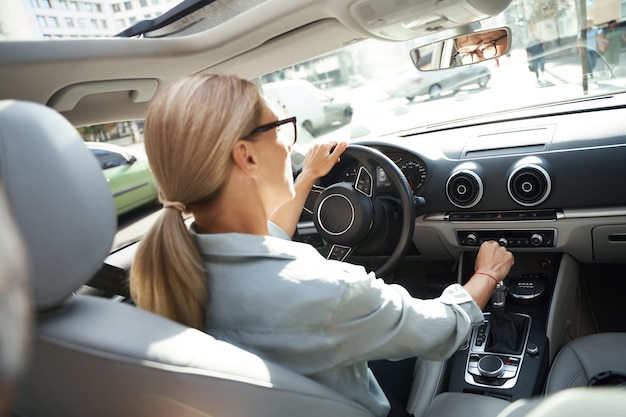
464 189
529 185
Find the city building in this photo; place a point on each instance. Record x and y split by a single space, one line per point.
36 19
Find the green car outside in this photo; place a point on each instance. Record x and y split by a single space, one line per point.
128 174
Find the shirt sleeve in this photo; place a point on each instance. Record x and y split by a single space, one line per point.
376 320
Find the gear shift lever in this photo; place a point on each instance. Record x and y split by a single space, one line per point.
506 332
498 298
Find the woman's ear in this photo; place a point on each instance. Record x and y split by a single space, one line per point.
244 157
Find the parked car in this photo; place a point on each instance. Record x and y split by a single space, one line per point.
314 109
128 174
411 83
538 167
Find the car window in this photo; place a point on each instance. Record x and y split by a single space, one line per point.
109 159
388 95
371 88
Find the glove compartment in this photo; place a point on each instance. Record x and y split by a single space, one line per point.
609 243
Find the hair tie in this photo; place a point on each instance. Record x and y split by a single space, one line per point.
175 205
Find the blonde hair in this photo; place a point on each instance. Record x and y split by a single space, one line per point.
190 130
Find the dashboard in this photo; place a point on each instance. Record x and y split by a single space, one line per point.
553 182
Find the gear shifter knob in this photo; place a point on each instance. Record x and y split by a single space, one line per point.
498 298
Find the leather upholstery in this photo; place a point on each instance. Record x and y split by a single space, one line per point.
428 380
575 402
15 305
453 404
97 357
100 358
585 357
60 199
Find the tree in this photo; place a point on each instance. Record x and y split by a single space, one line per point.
541 10
98 132
90 132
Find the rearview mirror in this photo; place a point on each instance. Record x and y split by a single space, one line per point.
462 49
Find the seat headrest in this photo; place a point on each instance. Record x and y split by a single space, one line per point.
59 196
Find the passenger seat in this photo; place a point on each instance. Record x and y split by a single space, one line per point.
599 355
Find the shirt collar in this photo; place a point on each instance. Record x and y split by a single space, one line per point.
239 245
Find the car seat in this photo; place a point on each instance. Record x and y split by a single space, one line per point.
96 357
596 359
15 305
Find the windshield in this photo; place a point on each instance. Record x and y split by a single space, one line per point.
560 50
374 88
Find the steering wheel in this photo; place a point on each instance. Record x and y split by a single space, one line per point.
351 215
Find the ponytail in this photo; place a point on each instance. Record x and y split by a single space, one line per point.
167 276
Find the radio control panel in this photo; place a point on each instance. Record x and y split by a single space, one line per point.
508 238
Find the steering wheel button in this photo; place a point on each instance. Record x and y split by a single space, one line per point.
338 252
364 182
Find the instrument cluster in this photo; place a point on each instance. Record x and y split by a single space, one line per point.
412 167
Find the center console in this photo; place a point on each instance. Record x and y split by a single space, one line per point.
489 367
507 355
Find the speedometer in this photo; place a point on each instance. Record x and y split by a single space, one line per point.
415 173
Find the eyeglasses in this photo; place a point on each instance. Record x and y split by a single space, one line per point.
285 129
484 51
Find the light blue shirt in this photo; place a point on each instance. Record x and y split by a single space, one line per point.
324 319
592 33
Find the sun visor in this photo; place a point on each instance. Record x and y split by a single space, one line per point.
403 20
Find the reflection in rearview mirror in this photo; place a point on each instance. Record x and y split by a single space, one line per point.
462 50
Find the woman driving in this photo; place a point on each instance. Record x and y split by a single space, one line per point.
219 153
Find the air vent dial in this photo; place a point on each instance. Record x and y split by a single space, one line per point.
464 189
529 185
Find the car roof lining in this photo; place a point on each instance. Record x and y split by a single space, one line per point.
258 41
107 63
108 100
283 51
